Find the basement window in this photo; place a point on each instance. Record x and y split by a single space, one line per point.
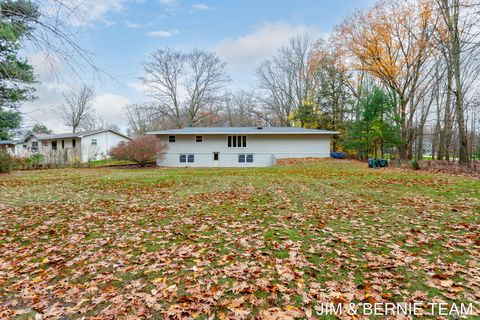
245 158
184 158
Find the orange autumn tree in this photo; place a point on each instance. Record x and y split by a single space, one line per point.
392 42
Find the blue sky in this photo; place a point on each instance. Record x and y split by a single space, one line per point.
120 34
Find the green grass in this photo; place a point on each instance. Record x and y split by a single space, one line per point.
233 242
108 162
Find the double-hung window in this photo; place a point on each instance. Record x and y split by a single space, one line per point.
237 141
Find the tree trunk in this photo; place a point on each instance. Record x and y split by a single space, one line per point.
403 147
459 112
419 150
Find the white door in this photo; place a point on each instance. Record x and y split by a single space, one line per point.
216 158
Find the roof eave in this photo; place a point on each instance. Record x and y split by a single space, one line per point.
239 132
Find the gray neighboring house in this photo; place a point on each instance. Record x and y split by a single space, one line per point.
84 146
9 146
241 146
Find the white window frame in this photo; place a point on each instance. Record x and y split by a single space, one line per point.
242 156
180 158
245 156
187 157
235 135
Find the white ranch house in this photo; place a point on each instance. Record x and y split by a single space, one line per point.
241 146
83 146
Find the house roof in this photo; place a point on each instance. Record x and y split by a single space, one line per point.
45 136
4 142
244 130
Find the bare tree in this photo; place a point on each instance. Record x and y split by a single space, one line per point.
77 112
142 118
241 109
284 79
185 85
459 40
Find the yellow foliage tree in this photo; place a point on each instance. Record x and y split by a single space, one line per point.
392 41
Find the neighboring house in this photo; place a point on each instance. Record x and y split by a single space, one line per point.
428 139
241 146
9 146
84 146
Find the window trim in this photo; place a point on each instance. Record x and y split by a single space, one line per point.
237 141
244 157
34 146
187 157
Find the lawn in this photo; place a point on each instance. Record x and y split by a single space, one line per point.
270 243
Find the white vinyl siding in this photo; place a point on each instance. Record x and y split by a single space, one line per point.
265 149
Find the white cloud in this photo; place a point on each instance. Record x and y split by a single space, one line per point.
250 49
170 3
111 107
200 6
133 25
161 33
139 86
46 65
83 12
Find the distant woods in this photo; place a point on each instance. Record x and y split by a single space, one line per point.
398 78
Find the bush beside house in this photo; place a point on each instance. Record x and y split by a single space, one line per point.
141 150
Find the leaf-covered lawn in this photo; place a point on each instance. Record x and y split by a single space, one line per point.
268 243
